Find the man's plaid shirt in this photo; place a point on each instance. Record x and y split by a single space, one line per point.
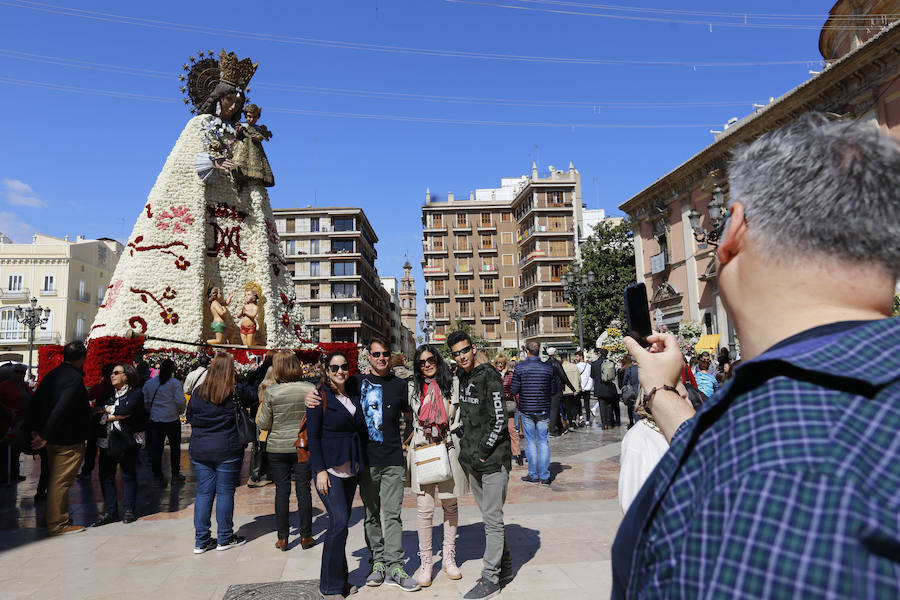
787 482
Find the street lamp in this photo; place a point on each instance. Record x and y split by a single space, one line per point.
31 317
577 284
427 327
717 214
515 310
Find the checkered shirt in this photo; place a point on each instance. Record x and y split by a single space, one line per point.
787 483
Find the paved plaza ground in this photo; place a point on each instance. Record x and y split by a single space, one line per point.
560 538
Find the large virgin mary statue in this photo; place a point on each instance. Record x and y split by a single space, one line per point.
205 225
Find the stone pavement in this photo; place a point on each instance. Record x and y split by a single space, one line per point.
560 538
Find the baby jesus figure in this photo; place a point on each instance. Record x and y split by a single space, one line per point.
249 158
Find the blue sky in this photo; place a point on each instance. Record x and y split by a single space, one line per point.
370 101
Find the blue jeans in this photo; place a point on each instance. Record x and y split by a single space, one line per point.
215 480
537 444
338 504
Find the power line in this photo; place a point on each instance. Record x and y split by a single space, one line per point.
386 95
745 23
294 40
348 115
699 13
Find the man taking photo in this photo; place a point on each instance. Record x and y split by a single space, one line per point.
785 483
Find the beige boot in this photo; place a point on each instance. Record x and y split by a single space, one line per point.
448 559
425 516
423 575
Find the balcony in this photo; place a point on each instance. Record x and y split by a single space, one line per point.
20 294
487 227
435 228
469 316
490 316
437 271
487 250
464 271
44 293
441 319
490 292
440 293
488 270
442 250
83 297
352 317
462 227
467 292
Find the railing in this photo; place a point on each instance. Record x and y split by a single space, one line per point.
488 268
489 292
14 336
83 297
342 296
50 292
47 337
13 294
350 317
465 292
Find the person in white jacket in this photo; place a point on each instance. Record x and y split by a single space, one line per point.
642 448
587 385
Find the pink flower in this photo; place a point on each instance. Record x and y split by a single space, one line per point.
178 217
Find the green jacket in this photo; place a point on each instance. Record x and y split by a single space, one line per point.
280 413
484 422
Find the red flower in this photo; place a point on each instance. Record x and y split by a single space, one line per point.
169 317
182 263
285 319
169 293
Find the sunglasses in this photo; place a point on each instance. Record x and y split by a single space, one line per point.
429 361
380 354
340 367
117 373
458 352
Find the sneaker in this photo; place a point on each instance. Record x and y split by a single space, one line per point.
69 529
483 589
398 578
105 520
256 483
209 545
234 542
129 517
545 482
376 577
530 479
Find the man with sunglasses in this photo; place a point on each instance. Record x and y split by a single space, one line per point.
384 399
486 455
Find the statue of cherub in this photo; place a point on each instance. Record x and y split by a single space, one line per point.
248 315
249 158
218 307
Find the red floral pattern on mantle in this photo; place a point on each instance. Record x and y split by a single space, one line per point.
178 218
168 314
227 240
223 211
136 320
180 262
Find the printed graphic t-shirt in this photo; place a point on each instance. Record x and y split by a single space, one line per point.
383 400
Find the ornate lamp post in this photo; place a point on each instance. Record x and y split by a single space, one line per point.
577 283
515 311
427 327
32 316
717 216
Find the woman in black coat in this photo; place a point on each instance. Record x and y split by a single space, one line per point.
337 433
124 418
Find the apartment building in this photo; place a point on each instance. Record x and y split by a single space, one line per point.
501 242
548 216
68 277
331 252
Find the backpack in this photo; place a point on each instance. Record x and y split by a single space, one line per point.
607 371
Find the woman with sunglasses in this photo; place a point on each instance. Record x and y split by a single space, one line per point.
337 432
124 411
434 397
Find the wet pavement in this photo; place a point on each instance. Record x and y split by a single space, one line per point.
560 536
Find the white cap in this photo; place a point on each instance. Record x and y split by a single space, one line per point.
551 351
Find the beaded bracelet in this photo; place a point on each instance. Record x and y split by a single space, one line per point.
648 397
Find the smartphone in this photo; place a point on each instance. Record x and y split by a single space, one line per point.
637 312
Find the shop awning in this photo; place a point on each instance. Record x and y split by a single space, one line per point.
708 343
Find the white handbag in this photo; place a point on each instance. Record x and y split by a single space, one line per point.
432 463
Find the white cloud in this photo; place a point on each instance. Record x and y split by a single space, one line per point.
13 226
20 193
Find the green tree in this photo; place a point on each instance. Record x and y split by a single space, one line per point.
459 325
609 254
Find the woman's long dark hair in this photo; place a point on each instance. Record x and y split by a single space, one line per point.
349 386
166 370
443 376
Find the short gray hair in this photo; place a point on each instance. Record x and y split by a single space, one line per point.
532 347
817 187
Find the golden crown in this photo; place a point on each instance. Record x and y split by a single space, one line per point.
234 71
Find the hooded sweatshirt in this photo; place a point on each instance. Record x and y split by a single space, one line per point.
484 423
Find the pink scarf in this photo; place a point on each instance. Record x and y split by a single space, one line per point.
432 412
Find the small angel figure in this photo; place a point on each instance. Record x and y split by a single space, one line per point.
249 158
248 317
218 307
